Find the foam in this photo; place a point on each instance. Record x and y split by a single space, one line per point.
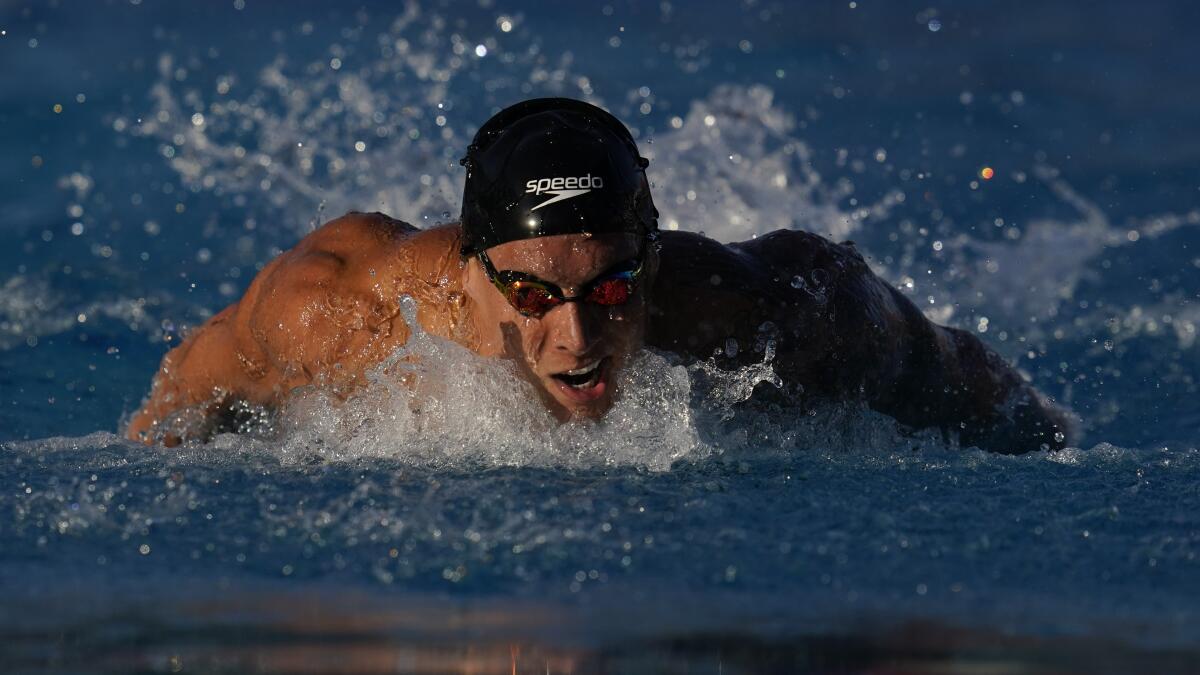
435 403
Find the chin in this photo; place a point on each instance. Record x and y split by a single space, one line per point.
593 411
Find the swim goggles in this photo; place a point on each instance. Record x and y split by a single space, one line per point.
533 297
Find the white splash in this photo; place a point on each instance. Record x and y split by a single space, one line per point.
1038 273
436 403
376 127
734 170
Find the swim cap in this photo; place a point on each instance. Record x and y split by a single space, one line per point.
553 166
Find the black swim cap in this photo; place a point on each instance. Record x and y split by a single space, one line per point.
553 166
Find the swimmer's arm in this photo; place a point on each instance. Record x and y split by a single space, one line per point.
315 314
314 321
931 375
218 363
302 321
197 372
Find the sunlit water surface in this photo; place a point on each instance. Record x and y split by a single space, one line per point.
696 526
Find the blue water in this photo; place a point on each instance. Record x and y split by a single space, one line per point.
195 141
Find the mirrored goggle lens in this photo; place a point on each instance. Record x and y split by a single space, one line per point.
612 291
531 298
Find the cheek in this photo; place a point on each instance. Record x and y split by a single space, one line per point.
533 339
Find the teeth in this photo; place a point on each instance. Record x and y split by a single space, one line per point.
584 370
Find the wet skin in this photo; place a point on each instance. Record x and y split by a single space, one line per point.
570 337
328 310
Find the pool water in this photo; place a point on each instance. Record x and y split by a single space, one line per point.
158 154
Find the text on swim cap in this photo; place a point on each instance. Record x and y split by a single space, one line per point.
539 185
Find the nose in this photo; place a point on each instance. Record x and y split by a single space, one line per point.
572 330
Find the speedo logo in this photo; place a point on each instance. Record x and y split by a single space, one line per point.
562 187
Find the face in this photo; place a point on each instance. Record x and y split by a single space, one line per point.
573 351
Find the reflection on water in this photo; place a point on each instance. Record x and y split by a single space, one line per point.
314 633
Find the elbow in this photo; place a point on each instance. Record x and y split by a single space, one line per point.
141 428
1031 423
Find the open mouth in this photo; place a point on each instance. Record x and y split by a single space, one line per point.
582 378
586 383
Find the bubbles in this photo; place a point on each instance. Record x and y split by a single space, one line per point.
415 404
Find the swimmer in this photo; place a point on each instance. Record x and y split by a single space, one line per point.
557 263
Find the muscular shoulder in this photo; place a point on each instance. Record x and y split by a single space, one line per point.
355 242
818 299
333 299
366 252
709 293
804 253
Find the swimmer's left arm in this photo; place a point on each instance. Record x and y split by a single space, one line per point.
931 375
844 333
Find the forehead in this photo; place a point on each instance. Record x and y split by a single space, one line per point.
565 259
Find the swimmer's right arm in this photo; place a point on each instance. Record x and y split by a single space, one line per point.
197 372
223 360
305 318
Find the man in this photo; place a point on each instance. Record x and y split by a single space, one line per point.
558 264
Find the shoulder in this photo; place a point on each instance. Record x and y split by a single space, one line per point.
333 300
800 250
836 274
819 297
786 266
370 250
376 225
354 236
782 252
688 259
351 270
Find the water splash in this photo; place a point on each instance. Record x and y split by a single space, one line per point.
435 403
734 169
377 125
31 308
